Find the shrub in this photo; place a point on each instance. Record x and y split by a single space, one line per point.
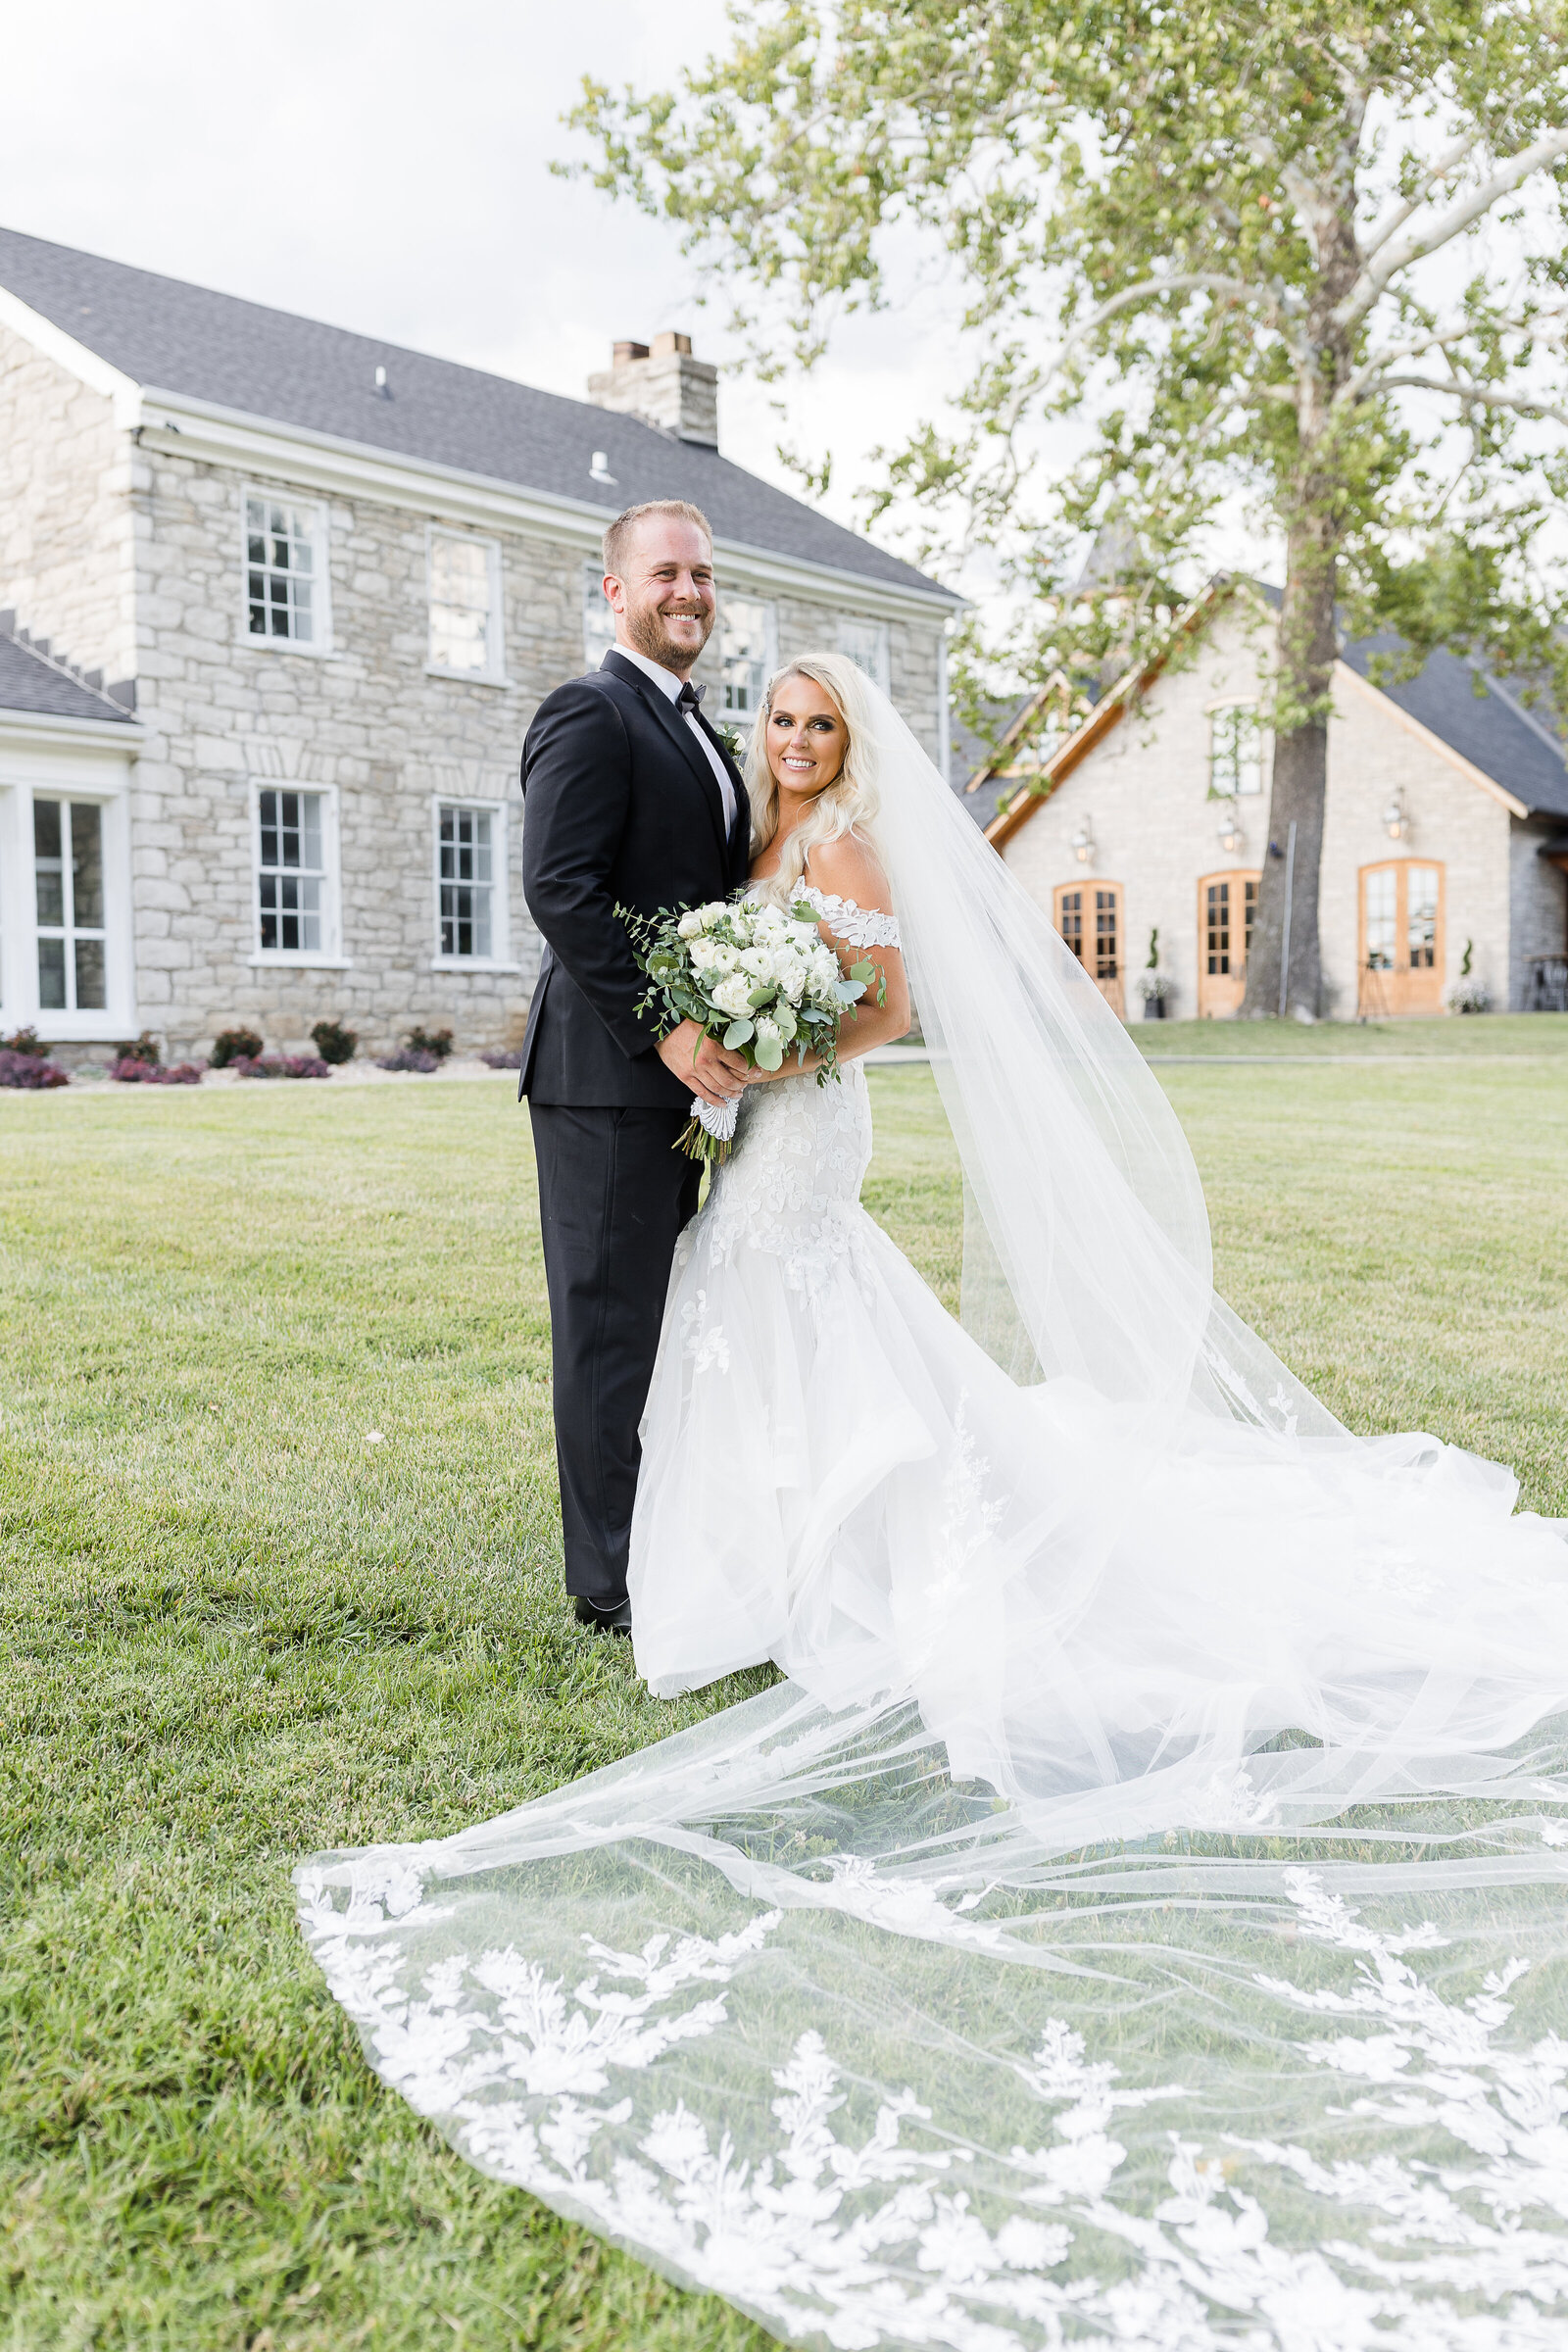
1470 995
25 1041
334 1041
144 1048
410 1058
280 1066
429 1041
504 1058
231 1045
132 1071
26 1065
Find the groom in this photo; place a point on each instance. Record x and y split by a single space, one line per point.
631 800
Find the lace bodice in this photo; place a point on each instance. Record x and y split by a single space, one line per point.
792 1186
857 926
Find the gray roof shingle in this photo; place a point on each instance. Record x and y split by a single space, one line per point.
1482 719
183 339
31 682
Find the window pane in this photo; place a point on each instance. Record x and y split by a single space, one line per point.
87 865
460 604
1105 943
48 864
90 975
279 562
1219 944
1072 921
52 975
1251 909
463 873
745 632
867 644
1235 751
1421 916
1381 898
291 883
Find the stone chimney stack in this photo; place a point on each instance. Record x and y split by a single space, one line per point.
662 383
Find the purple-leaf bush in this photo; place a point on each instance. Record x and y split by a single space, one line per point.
26 1066
504 1058
231 1045
408 1057
130 1070
280 1066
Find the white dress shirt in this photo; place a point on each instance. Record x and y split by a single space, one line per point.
669 686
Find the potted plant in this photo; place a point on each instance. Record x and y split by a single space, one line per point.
1152 986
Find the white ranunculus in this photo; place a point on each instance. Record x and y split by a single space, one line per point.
702 953
732 995
791 974
713 912
758 962
690 925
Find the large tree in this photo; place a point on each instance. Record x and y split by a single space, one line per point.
1302 261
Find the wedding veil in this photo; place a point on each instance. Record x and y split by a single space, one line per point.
1223 2011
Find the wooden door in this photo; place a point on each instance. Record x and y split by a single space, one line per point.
1401 958
1090 915
1226 905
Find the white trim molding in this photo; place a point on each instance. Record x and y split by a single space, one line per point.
52 765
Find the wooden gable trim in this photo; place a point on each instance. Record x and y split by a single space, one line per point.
1432 742
1103 718
1057 682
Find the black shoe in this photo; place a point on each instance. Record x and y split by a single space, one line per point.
616 1620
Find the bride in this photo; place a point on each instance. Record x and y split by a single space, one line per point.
1030 1964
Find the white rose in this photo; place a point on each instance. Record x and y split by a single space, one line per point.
768 924
768 1033
702 952
690 925
791 975
713 912
732 995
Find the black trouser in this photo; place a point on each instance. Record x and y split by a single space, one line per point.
613 1195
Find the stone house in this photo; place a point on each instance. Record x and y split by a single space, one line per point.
276 604
1445 832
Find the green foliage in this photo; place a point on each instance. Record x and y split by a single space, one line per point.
334 1043
233 1631
1299 258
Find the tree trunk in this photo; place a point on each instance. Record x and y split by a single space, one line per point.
1284 970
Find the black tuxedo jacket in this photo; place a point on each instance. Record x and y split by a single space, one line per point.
621 808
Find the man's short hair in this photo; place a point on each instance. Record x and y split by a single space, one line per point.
618 536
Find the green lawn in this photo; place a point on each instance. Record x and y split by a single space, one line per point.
236 1629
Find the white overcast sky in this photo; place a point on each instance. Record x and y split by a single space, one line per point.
385 168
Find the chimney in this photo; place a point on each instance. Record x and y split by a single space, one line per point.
662 383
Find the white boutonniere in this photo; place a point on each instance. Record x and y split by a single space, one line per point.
733 741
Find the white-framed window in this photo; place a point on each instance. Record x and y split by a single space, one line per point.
296 877
1235 750
747 631
66 962
598 620
67 881
465 605
287 590
465 881
867 644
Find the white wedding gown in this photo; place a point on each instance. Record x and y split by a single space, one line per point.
1139 1917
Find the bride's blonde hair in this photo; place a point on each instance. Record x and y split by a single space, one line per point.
846 806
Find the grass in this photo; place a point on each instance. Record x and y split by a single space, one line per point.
235 1629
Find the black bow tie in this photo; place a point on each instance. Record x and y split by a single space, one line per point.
690 696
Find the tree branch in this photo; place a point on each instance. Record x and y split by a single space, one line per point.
1192 281
1447 163
1372 282
1458 387
1368 374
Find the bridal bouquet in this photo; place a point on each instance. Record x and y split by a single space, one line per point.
764 982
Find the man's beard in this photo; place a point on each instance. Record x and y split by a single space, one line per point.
647 630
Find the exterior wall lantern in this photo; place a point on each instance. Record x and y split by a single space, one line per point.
1231 837
1082 844
1397 817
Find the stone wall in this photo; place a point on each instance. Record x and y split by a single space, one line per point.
1540 905
1145 791
64 512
